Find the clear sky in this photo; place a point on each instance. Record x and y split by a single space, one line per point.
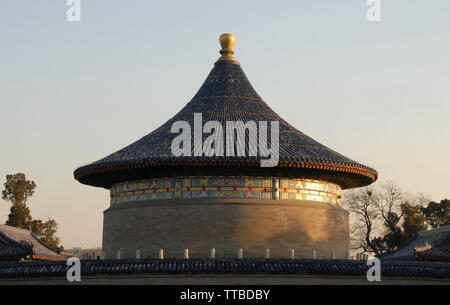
72 93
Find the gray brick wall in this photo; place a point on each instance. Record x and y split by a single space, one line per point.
226 225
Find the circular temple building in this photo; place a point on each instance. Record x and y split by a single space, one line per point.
199 200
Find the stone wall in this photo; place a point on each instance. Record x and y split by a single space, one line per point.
226 225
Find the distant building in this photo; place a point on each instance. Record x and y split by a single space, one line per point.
85 254
429 245
18 244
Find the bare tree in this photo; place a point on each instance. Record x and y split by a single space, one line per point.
362 205
390 200
377 217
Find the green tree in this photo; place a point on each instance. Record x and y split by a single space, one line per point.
413 220
46 231
437 214
17 191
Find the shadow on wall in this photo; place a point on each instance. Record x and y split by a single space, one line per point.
325 231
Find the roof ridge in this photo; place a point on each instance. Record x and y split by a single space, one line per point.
15 228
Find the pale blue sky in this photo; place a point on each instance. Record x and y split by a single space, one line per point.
72 93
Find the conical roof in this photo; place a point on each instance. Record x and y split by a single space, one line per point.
226 95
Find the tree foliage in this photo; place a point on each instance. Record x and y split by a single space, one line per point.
46 231
437 214
17 191
413 220
18 188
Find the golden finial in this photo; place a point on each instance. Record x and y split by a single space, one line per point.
227 42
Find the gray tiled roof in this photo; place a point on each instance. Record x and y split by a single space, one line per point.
433 237
437 254
226 95
40 250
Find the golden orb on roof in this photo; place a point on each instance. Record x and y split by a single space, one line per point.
227 41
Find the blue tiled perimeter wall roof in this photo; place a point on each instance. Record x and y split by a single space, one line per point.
226 95
231 266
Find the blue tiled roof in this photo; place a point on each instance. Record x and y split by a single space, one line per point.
227 266
226 95
11 250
